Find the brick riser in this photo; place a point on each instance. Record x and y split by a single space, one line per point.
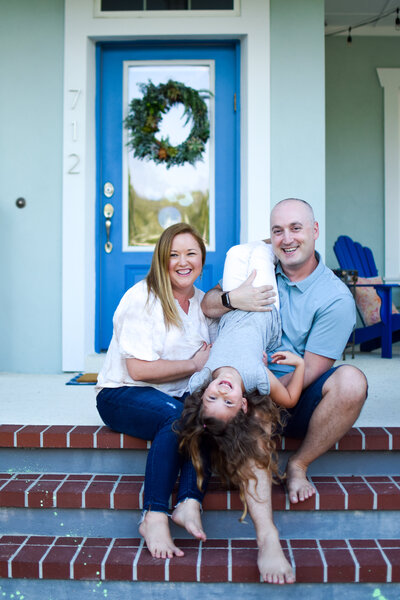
314 561
40 557
85 436
126 492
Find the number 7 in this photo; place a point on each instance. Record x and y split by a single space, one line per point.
76 94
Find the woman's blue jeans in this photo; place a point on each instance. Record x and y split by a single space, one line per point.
147 413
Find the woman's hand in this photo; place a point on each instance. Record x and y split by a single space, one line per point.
201 356
284 357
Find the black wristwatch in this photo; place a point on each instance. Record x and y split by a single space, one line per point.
226 301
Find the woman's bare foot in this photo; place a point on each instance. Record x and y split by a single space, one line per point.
155 530
272 563
187 515
299 488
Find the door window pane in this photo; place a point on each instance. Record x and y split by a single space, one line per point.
115 5
166 5
211 4
155 197
132 5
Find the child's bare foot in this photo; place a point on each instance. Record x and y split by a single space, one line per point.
187 515
272 563
155 530
299 488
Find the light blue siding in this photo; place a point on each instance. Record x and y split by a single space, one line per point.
31 104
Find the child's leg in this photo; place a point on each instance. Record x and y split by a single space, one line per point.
236 267
271 561
262 259
242 260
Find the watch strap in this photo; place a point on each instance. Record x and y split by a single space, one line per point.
226 301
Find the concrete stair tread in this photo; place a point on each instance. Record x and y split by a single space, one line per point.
107 491
217 560
101 437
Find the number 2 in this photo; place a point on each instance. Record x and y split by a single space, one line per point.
72 170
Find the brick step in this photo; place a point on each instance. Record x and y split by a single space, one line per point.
217 560
101 437
90 449
94 491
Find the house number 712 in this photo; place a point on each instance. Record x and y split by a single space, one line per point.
73 170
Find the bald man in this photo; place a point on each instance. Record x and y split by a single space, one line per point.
318 315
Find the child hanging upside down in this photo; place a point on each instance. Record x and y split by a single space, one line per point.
233 410
239 356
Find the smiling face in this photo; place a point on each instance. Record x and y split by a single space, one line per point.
293 235
223 398
185 263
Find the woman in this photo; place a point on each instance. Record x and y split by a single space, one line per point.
160 338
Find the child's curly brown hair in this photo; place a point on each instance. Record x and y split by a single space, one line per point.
248 438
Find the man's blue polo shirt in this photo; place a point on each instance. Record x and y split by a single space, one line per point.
318 314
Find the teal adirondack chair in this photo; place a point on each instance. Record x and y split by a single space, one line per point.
353 256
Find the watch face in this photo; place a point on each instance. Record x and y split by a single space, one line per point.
225 300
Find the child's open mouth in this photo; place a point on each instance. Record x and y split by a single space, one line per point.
227 383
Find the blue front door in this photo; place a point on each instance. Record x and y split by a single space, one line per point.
122 258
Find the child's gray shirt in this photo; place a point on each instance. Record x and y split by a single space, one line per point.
242 338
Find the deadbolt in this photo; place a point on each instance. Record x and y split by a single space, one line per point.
108 189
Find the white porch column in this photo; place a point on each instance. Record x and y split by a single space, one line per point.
390 81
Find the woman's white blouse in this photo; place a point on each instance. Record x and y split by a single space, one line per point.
139 332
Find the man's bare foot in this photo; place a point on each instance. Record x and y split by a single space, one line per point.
299 488
187 515
272 563
155 530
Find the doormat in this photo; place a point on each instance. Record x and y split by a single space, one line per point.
83 379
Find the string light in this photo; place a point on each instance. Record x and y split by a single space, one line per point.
369 22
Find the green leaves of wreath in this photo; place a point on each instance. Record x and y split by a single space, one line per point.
145 115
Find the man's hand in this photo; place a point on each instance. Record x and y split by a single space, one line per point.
249 298
245 297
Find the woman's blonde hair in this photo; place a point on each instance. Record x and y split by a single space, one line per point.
158 280
247 439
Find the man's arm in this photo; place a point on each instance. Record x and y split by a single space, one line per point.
245 297
211 304
329 333
314 366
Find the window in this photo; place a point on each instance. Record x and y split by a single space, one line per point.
146 5
155 196
110 7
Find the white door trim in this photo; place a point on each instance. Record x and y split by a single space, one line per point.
82 31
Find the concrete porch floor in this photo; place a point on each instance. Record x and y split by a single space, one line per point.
46 400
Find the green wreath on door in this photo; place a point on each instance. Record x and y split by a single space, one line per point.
145 115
